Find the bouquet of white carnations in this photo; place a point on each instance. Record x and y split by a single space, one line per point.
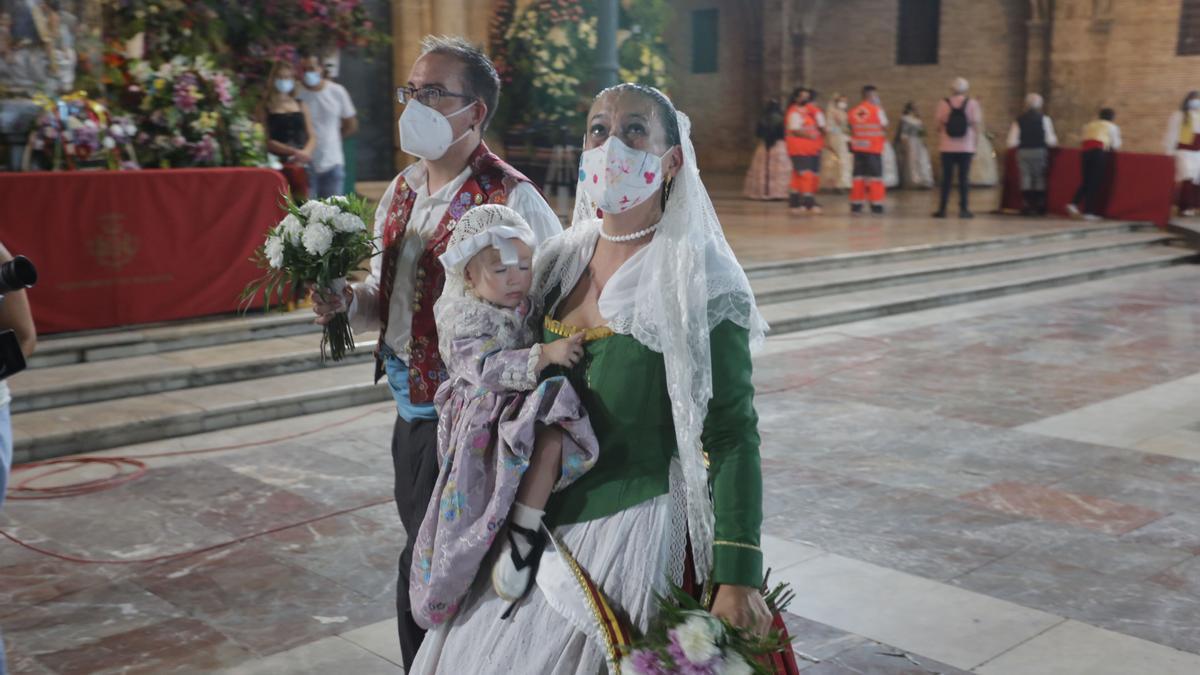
320 242
685 638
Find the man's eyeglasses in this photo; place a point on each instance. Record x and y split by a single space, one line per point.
427 96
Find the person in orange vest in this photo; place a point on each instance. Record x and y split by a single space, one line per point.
868 129
805 126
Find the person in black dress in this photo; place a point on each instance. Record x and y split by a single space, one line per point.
290 134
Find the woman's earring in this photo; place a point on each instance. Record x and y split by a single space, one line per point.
666 192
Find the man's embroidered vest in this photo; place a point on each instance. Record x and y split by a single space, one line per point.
490 182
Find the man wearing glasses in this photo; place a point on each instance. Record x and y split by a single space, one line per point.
450 98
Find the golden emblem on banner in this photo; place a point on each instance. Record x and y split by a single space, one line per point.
113 247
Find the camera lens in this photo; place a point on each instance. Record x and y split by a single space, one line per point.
17 274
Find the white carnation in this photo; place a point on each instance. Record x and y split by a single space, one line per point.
317 212
698 637
339 199
735 665
348 222
292 229
274 251
317 238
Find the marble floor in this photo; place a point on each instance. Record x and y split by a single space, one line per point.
1007 487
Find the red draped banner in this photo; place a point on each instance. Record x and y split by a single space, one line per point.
1137 187
115 248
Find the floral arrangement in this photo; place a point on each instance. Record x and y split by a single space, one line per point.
319 242
76 131
165 28
546 57
642 53
243 36
545 62
188 115
686 638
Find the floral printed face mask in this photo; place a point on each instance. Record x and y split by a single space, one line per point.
617 177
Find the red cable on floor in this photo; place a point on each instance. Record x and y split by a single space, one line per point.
185 554
23 491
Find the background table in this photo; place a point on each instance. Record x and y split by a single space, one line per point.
1137 187
127 247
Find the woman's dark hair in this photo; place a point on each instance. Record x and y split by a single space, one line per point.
666 111
868 90
1190 95
1109 114
812 94
909 107
479 73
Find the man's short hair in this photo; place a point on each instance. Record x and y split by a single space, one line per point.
1107 114
479 73
866 90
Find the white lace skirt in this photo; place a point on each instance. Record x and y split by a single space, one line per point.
629 555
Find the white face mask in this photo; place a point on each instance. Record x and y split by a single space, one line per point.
426 133
285 85
841 105
618 177
1194 104
312 78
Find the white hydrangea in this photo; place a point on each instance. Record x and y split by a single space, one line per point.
348 222
274 251
292 229
698 637
734 664
317 238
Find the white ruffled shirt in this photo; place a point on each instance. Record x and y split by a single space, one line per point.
427 212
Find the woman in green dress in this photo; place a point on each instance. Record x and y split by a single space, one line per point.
676 494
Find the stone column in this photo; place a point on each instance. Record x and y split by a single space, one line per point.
607 66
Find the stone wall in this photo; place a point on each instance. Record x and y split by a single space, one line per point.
854 43
723 105
1144 80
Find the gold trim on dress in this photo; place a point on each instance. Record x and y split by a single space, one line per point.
563 330
738 544
600 610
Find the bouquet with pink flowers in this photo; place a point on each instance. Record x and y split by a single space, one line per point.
188 115
77 132
686 638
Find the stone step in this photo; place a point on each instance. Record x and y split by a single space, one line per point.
169 337
862 258
828 310
76 383
82 428
856 278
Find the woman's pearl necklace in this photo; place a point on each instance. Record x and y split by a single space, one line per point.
618 238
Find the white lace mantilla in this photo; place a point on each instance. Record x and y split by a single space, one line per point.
669 297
